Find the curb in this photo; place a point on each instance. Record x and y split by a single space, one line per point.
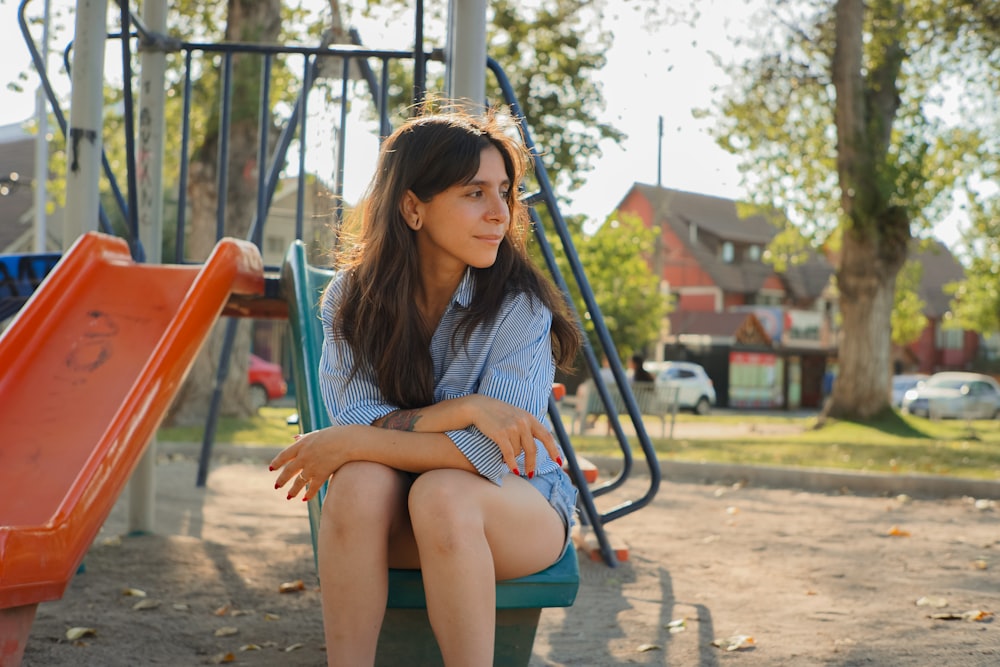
810 479
815 480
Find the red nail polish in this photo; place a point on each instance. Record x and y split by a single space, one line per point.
289 497
277 486
531 474
559 461
304 499
271 468
516 471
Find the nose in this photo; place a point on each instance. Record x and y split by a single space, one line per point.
499 211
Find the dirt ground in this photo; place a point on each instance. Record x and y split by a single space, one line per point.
795 578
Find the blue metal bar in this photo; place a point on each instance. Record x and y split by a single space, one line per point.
212 423
185 145
419 66
263 127
338 175
132 219
222 186
302 114
384 128
600 327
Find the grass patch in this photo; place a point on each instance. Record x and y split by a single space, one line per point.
893 443
267 428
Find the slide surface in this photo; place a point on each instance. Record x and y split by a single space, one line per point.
88 369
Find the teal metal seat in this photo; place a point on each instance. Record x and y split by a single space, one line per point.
406 636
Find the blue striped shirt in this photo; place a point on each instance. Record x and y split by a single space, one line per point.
510 361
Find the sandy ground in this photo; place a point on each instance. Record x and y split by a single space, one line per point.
804 578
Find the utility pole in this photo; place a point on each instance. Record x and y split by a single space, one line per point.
659 153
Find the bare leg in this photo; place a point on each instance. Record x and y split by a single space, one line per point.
364 511
470 533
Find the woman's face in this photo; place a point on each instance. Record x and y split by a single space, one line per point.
464 225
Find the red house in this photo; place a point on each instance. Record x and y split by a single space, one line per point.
710 258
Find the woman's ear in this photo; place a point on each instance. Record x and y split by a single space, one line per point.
410 210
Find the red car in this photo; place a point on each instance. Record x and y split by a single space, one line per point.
267 381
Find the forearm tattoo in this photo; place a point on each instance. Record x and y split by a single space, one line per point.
401 420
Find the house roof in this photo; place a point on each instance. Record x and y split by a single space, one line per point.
939 268
717 215
741 327
721 218
17 155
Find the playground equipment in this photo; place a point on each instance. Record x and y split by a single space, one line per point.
93 483
91 364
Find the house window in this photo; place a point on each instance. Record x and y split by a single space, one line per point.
753 253
727 252
949 339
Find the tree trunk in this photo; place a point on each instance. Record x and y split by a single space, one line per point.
876 230
256 21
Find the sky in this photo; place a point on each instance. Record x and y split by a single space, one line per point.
664 73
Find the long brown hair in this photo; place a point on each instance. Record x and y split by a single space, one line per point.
377 315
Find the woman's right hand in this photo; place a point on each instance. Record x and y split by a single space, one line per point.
513 429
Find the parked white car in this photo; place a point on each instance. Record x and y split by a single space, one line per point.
696 392
904 383
955 395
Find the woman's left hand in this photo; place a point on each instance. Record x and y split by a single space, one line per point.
311 460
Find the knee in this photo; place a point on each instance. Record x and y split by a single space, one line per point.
441 507
361 495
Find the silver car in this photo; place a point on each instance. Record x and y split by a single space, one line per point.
955 395
695 390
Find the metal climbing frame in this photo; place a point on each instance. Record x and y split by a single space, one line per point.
355 63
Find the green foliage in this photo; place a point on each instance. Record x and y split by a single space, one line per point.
908 319
616 259
976 300
778 113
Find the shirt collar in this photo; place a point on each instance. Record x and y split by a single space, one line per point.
466 290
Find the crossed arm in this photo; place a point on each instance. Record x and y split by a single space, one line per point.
414 441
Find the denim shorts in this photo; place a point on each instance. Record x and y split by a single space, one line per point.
558 489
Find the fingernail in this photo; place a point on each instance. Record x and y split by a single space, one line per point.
271 468
559 460
277 486
304 499
531 474
516 471
289 497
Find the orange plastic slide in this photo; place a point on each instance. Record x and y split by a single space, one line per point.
88 369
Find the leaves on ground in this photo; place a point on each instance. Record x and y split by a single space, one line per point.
146 604
134 592
735 643
677 625
896 531
222 658
644 648
979 615
79 633
292 586
227 631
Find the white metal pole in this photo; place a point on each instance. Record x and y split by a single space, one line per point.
83 150
42 142
466 54
149 166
